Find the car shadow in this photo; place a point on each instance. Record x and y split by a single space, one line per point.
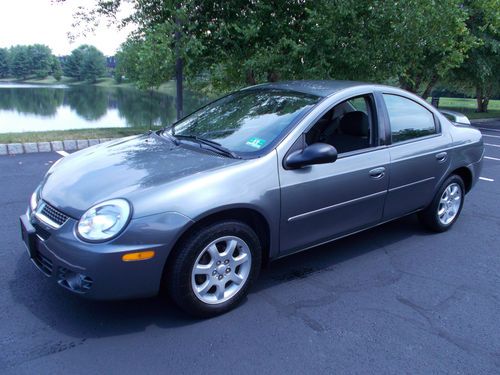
82 319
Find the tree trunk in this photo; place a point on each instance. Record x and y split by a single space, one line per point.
179 69
272 76
430 86
481 100
251 77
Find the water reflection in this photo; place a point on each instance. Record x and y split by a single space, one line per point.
40 108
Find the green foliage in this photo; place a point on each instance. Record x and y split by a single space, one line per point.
229 44
56 68
23 61
147 60
19 61
40 57
479 72
85 63
416 41
4 63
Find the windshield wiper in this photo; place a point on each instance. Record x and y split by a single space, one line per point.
214 145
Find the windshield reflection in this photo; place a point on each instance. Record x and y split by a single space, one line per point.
248 120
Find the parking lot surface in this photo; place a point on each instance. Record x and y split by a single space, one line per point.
394 299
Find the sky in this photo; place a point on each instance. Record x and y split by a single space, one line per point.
47 22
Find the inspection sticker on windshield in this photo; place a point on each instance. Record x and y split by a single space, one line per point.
256 142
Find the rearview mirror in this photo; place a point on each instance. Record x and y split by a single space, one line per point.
317 153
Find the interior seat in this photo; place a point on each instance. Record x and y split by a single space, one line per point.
355 132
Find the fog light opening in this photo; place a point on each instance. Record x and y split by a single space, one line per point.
139 255
74 281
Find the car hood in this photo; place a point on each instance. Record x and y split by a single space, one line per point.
122 169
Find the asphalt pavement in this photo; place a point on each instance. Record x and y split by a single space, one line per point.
394 299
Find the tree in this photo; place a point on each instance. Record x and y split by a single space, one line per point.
19 62
434 43
56 69
85 63
4 63
147 61
72 64
93 64
479 72
40 57
236 42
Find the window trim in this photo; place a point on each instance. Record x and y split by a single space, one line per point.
437 123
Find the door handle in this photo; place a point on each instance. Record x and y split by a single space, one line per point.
377 173
441 157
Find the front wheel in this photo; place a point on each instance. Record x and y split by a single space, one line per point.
213 268
446 206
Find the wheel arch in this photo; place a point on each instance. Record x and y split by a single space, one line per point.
246 214
466 175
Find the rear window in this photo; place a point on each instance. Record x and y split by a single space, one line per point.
408 119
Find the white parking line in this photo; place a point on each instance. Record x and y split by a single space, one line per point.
492 136
491 144
486 179
62 153
491 158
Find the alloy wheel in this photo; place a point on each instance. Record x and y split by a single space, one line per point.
221 270
449 204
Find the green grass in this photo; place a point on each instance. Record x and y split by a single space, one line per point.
61 135
468 107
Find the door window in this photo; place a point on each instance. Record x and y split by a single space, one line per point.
348 126
408 119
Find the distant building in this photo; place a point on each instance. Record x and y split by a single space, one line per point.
62 59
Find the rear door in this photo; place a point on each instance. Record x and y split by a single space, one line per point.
418 155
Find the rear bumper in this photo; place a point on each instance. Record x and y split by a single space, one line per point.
97 271
476 169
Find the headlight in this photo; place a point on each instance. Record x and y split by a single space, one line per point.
34 200
105 220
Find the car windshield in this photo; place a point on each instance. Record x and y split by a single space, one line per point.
245 121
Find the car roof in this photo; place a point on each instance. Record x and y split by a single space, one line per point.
319 88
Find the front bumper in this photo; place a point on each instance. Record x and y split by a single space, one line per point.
97 271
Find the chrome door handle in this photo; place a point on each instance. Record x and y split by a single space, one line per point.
377 173
441 157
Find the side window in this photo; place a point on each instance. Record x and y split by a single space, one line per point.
409 120
348 126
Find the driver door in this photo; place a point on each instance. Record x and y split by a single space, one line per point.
324 201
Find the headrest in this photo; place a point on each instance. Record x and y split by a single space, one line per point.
355 124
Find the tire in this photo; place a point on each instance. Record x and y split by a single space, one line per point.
227 256
440 216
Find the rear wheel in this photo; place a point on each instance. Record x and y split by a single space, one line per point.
213 268
446 206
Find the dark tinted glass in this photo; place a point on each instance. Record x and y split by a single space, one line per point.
408 119
246 121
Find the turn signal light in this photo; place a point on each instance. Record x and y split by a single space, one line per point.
140 255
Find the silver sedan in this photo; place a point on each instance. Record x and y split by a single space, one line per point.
198 207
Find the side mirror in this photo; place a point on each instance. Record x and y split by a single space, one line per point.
317 153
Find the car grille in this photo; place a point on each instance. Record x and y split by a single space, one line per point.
53 214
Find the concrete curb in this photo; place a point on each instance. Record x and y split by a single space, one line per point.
31 147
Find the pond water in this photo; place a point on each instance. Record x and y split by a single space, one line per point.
26 107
